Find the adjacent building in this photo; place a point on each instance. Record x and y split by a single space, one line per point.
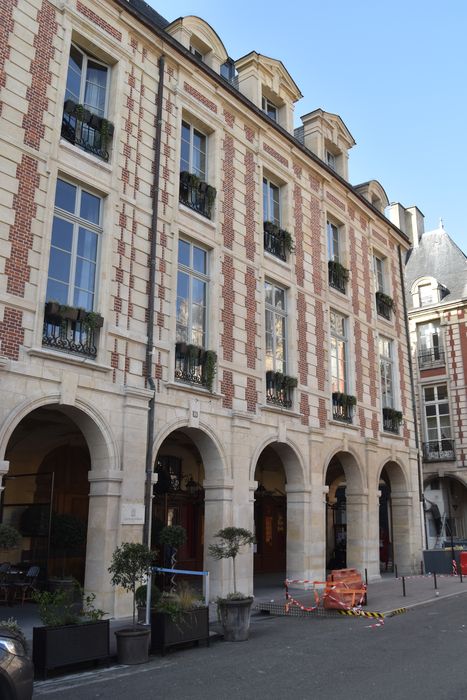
192 289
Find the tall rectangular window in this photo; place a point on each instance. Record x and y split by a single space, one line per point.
439 443
76 233
430 346
271 202
386 372
379 271
269 107
192 285
339 380
276 328
87 81
334 252
193 153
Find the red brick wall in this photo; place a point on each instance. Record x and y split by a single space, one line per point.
251 395
227 389
228 191
11 333
227 314
302 345
6 28
95 19
250 321
250 205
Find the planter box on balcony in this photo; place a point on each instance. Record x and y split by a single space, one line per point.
53 647
191 626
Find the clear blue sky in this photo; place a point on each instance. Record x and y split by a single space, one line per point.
396 73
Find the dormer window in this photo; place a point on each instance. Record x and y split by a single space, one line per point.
425 294
196 52
331 160
269 108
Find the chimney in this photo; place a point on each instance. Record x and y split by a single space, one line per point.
410 221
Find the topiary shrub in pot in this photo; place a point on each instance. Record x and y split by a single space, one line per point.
234 609
129 567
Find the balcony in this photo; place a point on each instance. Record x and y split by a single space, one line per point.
86 130
277 241
71 330
384 305
194 365
439 451
279 389
196 194
431 357
338 276
392 420
343 407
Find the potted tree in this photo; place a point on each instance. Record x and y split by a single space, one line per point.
234 609
10 538
130 564
68 635
173 537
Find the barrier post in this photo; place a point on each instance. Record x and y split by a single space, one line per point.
206 589
403 586
148 597
395 569
366 577
434 577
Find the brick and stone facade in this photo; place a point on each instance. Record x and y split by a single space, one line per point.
237 433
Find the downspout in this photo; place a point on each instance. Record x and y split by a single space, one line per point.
151 301
414 405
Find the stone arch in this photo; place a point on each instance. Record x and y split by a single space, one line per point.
399 516
351 465
291 459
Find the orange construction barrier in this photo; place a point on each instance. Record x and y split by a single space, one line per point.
344 590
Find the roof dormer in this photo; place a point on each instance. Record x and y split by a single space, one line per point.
199 37
267 83
327 136
374 192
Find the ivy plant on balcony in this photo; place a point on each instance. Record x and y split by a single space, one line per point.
281 381
63 312
385 299
392 415
338 269
192 181
85 116
281 234
342 399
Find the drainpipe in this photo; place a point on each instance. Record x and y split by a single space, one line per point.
414 406
151 301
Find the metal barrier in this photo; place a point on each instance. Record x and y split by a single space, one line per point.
161 570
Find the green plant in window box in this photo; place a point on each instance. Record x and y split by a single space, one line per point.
193 353
93 320
106 130
288 240
69 313
289 382
209 368
52 309
338 269
341 399
393 415
385 299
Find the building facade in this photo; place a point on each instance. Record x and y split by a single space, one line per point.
436 289
190 283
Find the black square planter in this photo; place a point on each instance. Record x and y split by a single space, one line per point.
190 626
53 647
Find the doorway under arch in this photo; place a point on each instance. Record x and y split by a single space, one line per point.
270 515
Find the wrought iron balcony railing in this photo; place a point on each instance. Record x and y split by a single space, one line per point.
431 357
194 365
439 451
277 241
86 130
391 420
71 330
338 276
343 407
196 194
384 305
279 389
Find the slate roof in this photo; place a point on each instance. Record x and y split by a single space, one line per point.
150 14
438 256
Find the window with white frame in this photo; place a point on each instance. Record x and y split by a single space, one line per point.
334 242
426 295
271 202
437 423
430 345
276 328
270 108
339 351
379 266
386 365
196 52
87 81
76 234
331 160
192 288
193 152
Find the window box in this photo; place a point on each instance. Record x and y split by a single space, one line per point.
195 365
277 240
384 305
439 451
69 329
342 406
189 626
279 389
197 194
338 275
392 420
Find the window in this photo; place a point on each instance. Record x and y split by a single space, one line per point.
193 151
439 445
333 242
192 283
331 160
430 346
425 294
338 352
276 328
87 81
76 232
379 265
270 108
196 52
271 202
386 372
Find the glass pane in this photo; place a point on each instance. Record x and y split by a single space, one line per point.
85 275
430 410
269 322
73 81
197 337
59 265
275 207
184 253
265 201
279 301
429 393
185 156
83 299
62 234
181 334
442 392
57 291
199 164
443 409
182 312
96 81
198 291
268 290
90 207
65 196
183 282
269 344
87 244
197 318
199 260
